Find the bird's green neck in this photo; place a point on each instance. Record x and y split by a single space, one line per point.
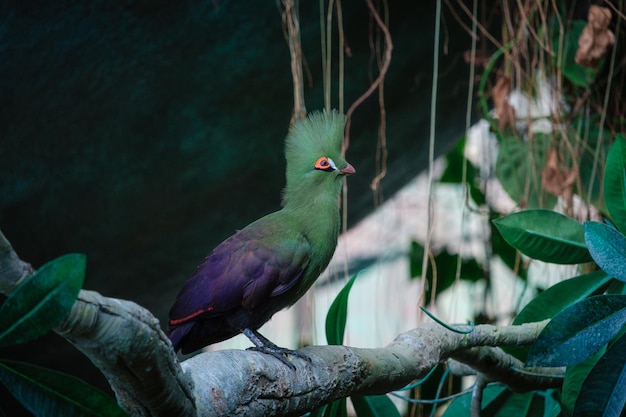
317 211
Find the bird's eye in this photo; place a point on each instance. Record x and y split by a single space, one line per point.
325 164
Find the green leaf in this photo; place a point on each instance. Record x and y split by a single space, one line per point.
337 409
617 287
516 404
579 331
608 248
575 375
42 301
500 402
374 406
446 265
577 74
460 406
519 167
615 182
337 314
45 392
604 391
453 174
561 295
455 158
545 235
318 412
556 298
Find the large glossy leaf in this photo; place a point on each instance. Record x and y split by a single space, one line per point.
615 182
545 235
374 406
617 287
518 404
608 248
604 391
336 409
579 331
337 315
500 402
45 392
318 412
460 406
556 298
561 295
42 301
575 375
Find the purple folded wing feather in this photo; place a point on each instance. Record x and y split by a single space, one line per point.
245 270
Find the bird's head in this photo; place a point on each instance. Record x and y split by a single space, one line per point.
313 153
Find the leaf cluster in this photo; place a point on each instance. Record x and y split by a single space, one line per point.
37 306
588 312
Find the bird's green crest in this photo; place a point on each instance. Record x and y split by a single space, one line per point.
320 134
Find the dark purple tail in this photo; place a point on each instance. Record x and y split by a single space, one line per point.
177 333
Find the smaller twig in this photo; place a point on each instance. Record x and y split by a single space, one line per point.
615 9
290 17
477 396
497 365
482 29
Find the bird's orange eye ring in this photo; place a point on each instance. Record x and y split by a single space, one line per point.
325 164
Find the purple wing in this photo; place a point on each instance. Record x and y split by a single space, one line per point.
256 263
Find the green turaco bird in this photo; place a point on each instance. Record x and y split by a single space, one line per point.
272 262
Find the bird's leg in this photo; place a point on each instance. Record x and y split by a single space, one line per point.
264 345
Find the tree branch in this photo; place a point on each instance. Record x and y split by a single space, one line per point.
12 269
496 365
126 343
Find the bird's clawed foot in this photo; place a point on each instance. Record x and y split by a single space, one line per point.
264 345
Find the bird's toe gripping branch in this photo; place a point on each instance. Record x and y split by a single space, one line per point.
264 345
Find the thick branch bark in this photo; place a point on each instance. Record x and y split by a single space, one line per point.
125 342
12 269
250 383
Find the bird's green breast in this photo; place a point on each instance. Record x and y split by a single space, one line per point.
319 223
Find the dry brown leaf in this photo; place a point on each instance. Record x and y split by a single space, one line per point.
505 112
555 180
596 37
